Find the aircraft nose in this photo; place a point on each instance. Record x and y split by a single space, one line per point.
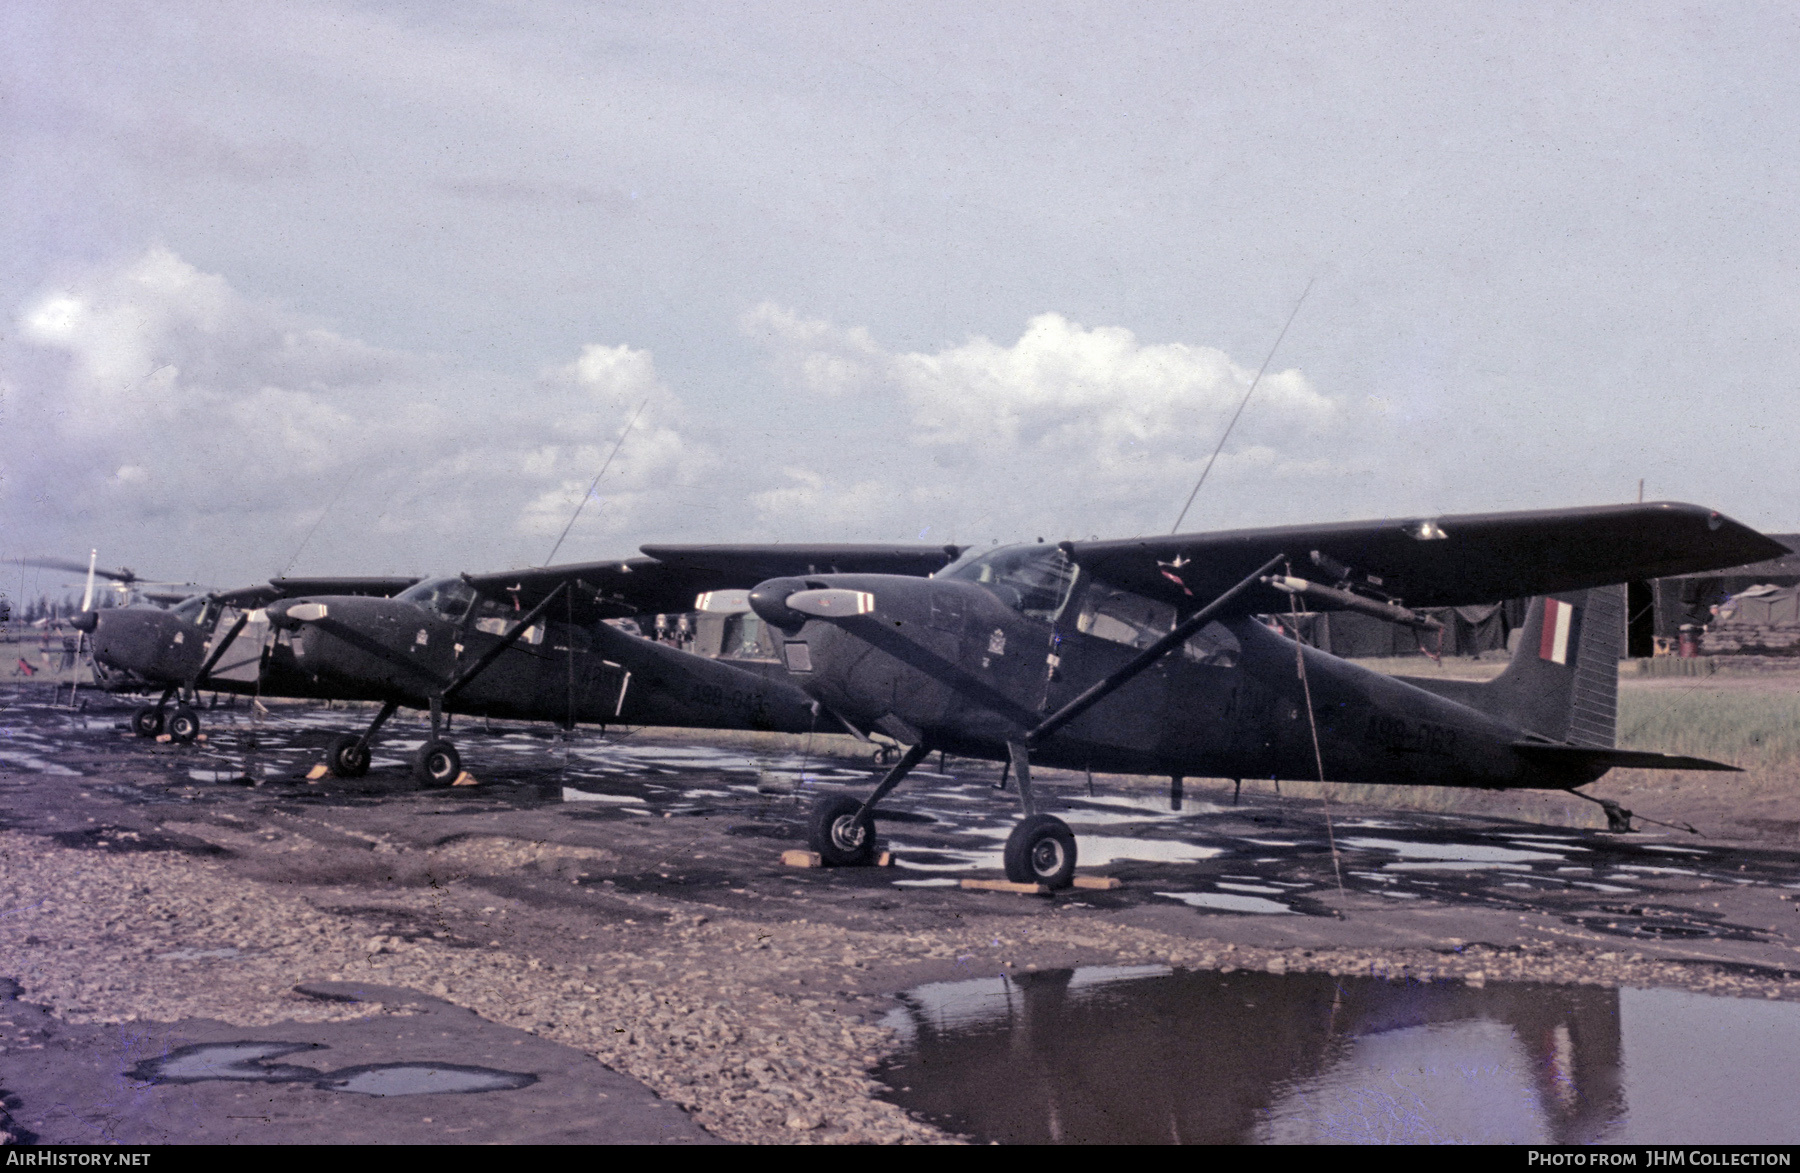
769 601
289 614
85 621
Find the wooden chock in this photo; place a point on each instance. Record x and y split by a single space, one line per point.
1099 883
971 885
796 858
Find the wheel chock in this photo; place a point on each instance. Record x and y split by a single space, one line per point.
466 779
797 858
1090 883
200 737
163 739
317 772
970 885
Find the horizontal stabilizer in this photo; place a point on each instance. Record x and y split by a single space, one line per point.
1623 759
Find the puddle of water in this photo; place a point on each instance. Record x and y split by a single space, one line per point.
418 1079
1228 902
570 794
1460 852
1455 865
237 1061
1128 1057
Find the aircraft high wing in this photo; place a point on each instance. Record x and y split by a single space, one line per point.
1447 561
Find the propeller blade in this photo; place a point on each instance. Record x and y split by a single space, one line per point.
123 574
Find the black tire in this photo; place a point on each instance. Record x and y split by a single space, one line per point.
347 756
147 721
1041 850
436 764
834 831
183 725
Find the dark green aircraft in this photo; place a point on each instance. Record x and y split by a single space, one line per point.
1146 656
535 645
181 649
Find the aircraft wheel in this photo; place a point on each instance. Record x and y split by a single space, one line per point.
184 725
436 764
841 839
1041 850
147 721
347 756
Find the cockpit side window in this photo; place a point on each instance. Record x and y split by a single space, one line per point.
1131 619
1123 617
446 597
747 638
1214 646
1033 580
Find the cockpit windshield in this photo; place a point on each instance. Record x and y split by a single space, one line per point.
192 610
449 597
1034 580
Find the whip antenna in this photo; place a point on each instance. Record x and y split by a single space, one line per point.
597 476
1245 402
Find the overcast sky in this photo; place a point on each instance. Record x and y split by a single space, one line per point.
375 287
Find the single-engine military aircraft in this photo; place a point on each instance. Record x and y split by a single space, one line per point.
181 649
1146 656
535 645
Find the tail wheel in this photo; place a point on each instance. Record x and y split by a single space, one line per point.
841 839
147 721
436 764
347 757
184 725
1041 850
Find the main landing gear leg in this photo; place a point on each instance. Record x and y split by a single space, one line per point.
842 830
348 756
436 763
1175 781
148 720
1041 849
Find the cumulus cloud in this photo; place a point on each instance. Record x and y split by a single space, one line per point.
1084 425
152 394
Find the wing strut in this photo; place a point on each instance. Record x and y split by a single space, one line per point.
511 638
212 660
1150 655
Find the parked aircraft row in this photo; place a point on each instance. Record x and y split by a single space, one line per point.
1142 655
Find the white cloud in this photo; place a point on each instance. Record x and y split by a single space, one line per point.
153 394
1068 428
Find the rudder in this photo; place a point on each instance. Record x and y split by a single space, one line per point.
1563 680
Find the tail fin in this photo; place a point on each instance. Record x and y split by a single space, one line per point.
1563 682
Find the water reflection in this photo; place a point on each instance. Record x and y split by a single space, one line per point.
1098 1056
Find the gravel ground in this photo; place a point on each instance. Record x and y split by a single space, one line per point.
755 1027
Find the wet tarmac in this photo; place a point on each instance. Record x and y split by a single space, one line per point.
1261 857
1147 1055
600 839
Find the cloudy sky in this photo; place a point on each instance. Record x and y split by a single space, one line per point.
375 287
